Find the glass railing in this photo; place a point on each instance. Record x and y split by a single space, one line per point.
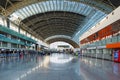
103 42
11 32
6 39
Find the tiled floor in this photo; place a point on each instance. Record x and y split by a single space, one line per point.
58 67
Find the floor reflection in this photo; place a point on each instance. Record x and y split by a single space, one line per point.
57 67
96 69
60 58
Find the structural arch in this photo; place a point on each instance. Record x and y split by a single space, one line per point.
73 43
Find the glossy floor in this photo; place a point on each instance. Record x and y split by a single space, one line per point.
58 67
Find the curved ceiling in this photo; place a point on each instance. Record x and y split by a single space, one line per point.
55 23
57 36
57 17
12 5
75 45
59 5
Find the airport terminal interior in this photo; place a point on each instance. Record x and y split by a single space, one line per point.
59 39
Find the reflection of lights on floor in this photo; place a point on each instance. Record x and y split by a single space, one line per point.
60 58
30 71
42 64
46 61
54 58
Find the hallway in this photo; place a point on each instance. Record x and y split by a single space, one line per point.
57 67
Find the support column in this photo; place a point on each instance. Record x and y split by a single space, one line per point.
0 43
8 23
9 44
36 47
18 29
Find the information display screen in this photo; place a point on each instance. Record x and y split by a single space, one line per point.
116 54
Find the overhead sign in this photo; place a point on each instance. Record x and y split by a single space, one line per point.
101 47
91 48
